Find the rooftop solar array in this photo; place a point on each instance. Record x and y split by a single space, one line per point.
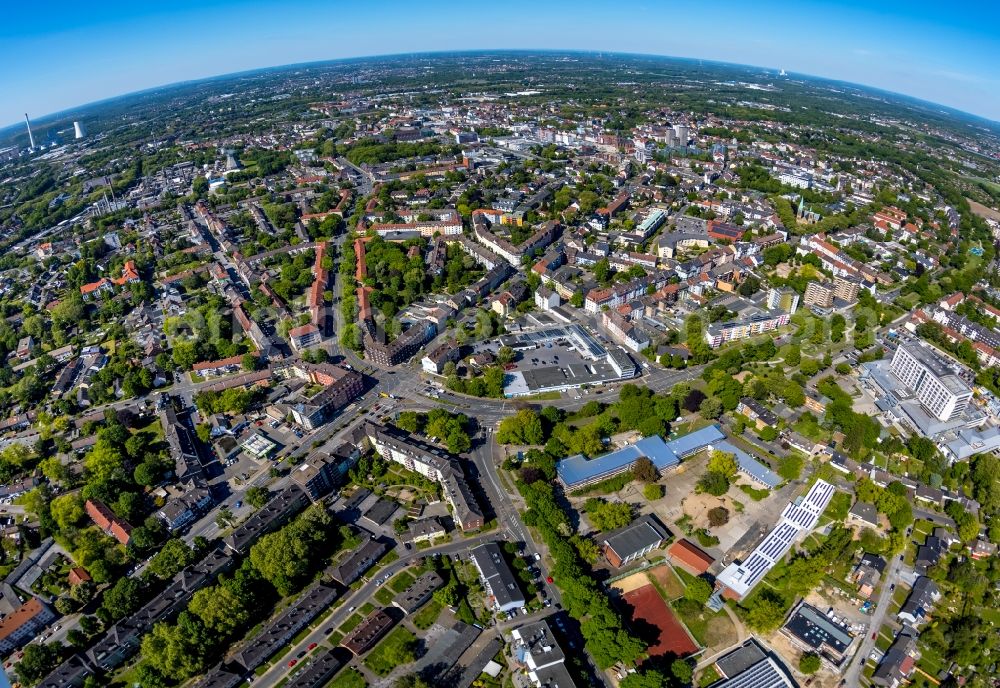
796 521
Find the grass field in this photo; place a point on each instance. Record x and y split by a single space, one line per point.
348 678
395 649
426 617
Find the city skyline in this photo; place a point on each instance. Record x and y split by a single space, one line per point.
943 56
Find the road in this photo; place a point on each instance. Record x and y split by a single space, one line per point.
852 675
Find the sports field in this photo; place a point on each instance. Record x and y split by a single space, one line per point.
649 609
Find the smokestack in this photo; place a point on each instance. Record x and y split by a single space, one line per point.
31 138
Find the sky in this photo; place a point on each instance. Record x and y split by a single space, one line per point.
59 55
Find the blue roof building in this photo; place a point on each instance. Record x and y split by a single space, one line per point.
577 471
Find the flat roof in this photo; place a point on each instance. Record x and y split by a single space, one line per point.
797 519
815 629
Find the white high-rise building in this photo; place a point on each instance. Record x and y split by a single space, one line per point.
942 393
78 130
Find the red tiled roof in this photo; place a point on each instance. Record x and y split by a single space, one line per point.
690 555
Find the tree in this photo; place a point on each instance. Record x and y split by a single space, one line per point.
176 650
719 516
645 678
258 496
505 355
524 427
713 483
607 516
220 609
171 559
652 491
411 681
123 598
711 408
644 470
723 463
682 671
698 590
809 663
36 662
250 361
766 612
67 510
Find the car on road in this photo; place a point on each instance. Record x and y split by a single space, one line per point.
300 655
874 635
351 610
312 646
549 580
292 662
892 587
328 630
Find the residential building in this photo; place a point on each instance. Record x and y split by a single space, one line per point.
819 294
305 336
782 299
431 462
546 299
418 592
867 573
498 580
762 416
23 624
899 660
434 362
920 602
371 630
282 507
637 539
319 474
106 520
282 628
863 514
536 649
338 388
719 333
358 561
624 331
846 288
179 512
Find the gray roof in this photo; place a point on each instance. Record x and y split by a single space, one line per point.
635 537
497 576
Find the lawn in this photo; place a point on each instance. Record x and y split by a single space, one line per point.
396 649
666 582
754 494
426 617
348 678
710 629
708 676
401 581
351 623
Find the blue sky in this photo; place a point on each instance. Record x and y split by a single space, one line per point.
58 55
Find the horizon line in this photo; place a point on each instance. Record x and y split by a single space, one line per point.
480 51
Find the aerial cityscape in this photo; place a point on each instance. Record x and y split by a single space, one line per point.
500 368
